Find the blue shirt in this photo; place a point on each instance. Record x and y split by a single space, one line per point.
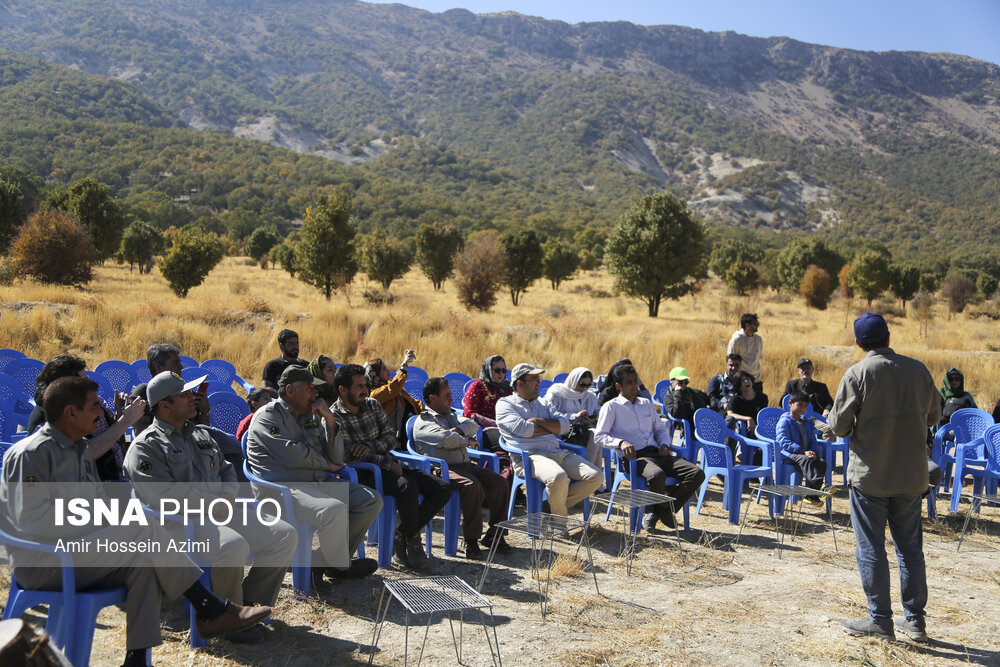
788 435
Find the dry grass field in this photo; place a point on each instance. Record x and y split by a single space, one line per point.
715 603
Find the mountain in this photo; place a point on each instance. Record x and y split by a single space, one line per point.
494 120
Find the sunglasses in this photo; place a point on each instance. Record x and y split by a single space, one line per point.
682 381
585 385
499 370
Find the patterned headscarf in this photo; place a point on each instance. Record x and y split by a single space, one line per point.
372 370
326 391
486 373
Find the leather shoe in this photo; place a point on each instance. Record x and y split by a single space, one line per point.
255 634
472 551
358 569
235 617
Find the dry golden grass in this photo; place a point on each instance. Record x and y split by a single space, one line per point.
236 314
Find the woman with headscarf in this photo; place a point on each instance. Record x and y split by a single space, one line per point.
388 390
323 368
480 404
609 391
573 399
953 395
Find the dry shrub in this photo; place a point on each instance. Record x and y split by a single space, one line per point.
256 305
554 311
7 273
959 291
239 286
53 248
816 287
480 270
377 297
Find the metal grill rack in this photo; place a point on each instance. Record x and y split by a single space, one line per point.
792 516
629 503
977 499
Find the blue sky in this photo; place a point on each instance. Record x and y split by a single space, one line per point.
968 27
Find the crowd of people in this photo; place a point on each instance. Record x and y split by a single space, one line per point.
310 419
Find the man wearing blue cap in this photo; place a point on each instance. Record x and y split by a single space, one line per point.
886 402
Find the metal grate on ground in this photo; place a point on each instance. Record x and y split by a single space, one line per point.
427 595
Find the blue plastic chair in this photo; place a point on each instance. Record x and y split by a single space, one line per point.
25 371
10 391
415 388
711 432
559 377
72 614
636 481
989 476
118 374
188 362
225 372
193 373
302 558
140 371
534 491
416 374
543 387
453 510
660 395
228 410
8 423
104 388
967 426
689 449
457 382
8 355
830 447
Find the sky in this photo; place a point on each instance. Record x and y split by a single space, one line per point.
966 27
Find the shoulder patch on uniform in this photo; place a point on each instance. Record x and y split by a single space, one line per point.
145 466
312 423
89 466
204 444
32 478
275 431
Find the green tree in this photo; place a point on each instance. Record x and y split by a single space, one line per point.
11 215
986 284
870 275
793 260
324 255
588 261
261 241
656 250
383 259
284 253
52 247
524 261
905 282
436 249
100 214
735 263
559 262
192 257
140 243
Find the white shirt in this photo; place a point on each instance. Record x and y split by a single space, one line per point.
750 348
513 413
638 423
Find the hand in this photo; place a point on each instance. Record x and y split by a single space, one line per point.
320 408
628 450
459 432
201 402
121 399
357 451
666 451
134 409
409 358
810 454
396 468
333 467
581 415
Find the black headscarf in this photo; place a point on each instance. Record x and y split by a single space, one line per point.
609 390
486 374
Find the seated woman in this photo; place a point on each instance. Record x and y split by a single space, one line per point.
953 395
388 390
107 445
743 409
480 405
573 399
607 391
323 368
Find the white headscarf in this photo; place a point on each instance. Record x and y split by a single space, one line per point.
567 388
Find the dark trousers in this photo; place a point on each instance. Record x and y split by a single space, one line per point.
655 469
491 441
405 488
477 488
813 470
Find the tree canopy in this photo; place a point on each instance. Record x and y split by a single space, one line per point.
324 254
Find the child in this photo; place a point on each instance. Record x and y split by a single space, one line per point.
795 437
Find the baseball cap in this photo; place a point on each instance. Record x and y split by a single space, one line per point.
678 373
804 362
167 384
524 369
293 374
870 328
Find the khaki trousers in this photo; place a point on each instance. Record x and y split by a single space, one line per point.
340 526
568 478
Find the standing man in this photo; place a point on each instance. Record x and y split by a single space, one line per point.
630 424
819 395
886 402
288 343
534 426
747 343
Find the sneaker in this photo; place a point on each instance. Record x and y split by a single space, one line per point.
255 634
235 617
415 553
358 569
669 520
649 522
399 556
472 551
915 629
815 501
831 489
868 628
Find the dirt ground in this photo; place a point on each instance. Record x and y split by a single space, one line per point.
713 602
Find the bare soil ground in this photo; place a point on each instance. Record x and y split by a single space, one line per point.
716 603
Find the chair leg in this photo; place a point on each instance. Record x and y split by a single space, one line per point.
701 494
452 524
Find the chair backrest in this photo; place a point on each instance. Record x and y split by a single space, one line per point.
410 443
970 424
711 431
543 387
25 371
785 402
194 373
8 425
8 355
560 377
415 388
104 389
10 390
118 374
767 423
992 440
140 371
417 374
660 392
188 362
228 410
221 370
457 382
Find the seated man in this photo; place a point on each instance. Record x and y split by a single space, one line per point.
796 439
722 388
256 399
683 400
533 426
288 343
630 424
369 438
440 433
165 357
294 441
175 450
819 395
58 453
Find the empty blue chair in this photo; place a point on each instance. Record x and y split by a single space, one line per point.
989 476
417 374
225 372
534 491
8 355
140 371
968 426
25 371
457 382
636 481
228 410
104 389
559 377
415 388
118 374
717 459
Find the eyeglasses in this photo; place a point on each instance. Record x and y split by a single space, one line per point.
499 370
683 381
585 385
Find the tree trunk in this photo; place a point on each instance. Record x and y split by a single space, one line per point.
654 306
514 296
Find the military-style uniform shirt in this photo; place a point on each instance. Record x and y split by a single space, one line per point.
283 447
46 456
432 435
163 453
